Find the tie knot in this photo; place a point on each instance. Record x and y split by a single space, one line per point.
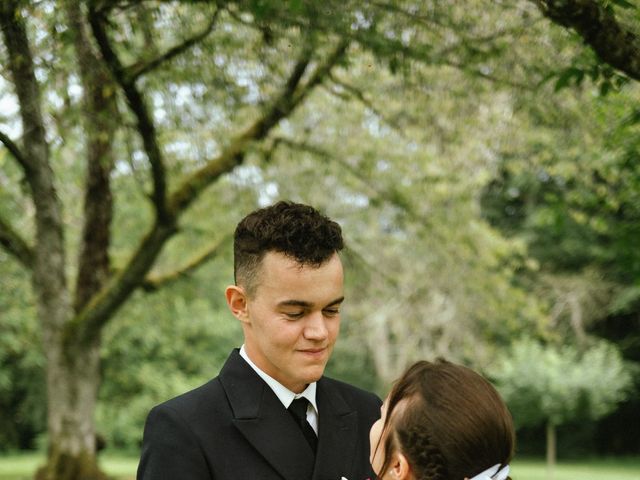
299 408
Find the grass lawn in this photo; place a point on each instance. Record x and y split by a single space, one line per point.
20 466
627 468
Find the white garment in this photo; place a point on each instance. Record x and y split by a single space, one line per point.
493 473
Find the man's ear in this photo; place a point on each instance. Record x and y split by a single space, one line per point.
400 468
237 302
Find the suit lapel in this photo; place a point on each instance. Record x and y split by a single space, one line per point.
337 434
264 422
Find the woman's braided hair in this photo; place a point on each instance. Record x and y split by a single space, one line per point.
428 461
448 421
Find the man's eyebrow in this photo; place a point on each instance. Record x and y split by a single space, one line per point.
295 303
303 304
337 301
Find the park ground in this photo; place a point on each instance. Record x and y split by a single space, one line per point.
20 466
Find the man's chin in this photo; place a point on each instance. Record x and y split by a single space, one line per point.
314 374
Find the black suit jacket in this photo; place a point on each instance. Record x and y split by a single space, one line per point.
234 427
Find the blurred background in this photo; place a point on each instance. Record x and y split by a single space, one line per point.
482 158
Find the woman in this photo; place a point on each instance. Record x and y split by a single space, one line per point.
442 421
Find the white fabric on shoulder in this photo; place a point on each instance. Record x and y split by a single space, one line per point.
493 473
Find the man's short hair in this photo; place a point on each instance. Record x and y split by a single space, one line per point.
293 229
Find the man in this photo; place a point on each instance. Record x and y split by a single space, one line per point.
271 414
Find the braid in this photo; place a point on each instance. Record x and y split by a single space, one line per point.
424 455
448 421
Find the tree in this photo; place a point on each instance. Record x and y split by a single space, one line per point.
554 385
72 317
174 95
613 36
113 77
574 203
426 276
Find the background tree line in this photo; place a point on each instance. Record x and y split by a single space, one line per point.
481 157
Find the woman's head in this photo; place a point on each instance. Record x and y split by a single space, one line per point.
441 421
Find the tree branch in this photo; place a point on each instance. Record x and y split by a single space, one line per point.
15 151
100 121
48 254
391 196
146 127
154 282
613 43
21 66
87 325
485 76
360 96
374 192
292 94
135 71
13 243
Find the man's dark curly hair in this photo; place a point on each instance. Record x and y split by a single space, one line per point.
296 230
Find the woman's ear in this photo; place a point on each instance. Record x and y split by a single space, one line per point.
400 468
237 302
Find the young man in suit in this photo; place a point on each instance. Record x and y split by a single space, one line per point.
271 414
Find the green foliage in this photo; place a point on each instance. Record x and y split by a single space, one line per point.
437 107
619 3
586 67
544 384
426 275
160 346
22 383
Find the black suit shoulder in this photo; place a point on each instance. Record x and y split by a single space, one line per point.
351 392
177 432
190 404
367 404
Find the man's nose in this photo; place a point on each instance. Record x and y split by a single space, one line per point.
316 328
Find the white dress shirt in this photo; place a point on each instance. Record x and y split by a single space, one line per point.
285 395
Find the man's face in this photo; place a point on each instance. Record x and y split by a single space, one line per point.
292 320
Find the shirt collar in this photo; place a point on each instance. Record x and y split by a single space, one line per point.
285 395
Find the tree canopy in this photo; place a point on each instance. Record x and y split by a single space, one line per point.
474 155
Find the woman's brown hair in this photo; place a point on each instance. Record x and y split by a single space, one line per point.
448 421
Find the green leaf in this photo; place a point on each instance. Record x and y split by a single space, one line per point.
567 76
623 4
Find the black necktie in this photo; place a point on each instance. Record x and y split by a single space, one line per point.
298 410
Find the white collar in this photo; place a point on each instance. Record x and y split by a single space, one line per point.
285 395
493 473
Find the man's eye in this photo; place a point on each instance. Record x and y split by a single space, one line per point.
294 315
331 313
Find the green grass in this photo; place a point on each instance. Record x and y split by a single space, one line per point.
627 468
21 466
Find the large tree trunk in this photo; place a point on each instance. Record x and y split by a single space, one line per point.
73 364
72 387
